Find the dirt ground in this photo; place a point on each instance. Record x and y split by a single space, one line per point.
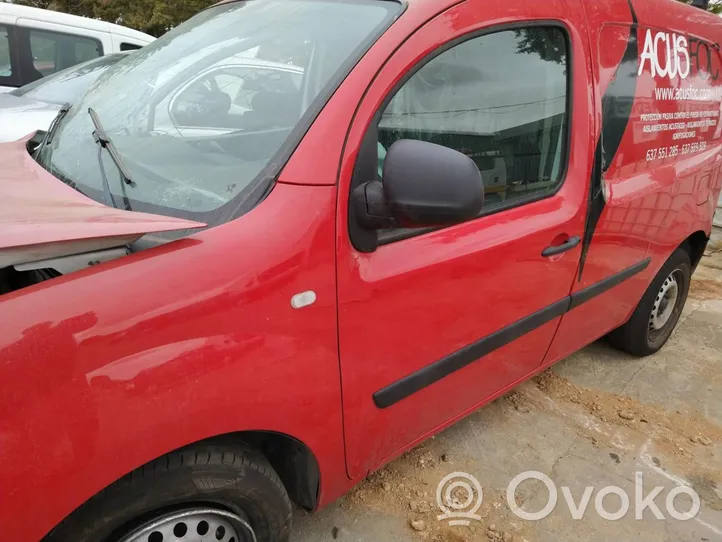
596 419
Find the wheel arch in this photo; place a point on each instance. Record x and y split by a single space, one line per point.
294 462
695 246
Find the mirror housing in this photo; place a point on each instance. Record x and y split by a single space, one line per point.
424 185
198 106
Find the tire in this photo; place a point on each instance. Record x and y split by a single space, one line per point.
219 485
642 335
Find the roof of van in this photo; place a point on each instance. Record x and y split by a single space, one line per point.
46 15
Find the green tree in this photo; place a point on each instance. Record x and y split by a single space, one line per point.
715 6
151 16
76 7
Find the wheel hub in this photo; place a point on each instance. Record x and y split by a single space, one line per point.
194 525
664 304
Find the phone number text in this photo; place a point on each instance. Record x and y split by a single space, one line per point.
675 150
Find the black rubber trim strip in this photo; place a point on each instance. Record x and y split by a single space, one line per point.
422 378
616 114
403 388
582 296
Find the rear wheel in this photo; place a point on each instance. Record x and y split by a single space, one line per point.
658 312
203 493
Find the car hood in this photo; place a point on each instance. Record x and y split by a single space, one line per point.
42 218
20 116
22 104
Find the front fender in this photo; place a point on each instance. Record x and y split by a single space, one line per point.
106 369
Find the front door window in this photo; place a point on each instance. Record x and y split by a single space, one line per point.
501 99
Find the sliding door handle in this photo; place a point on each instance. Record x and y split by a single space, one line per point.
559 249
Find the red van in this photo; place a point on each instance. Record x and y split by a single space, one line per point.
291 239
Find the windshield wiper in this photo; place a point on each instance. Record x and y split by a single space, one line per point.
53 127
103 139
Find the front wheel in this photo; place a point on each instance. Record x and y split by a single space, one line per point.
200 524
658 312
202 493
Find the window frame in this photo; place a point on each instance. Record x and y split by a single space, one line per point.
359 237
26 51
13 80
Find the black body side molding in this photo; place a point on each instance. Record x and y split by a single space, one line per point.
409 385
403 388
582 296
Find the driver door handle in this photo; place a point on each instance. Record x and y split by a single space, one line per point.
559 249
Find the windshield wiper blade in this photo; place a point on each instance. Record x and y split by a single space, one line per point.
103 139
53 127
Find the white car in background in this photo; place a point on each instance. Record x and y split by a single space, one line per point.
35 43
34 106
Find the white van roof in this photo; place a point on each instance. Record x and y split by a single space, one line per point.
11 12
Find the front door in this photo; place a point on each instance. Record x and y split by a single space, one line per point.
432 323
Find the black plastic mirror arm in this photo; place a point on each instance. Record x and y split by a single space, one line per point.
371 208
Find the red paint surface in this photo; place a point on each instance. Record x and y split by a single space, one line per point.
106 369
652 205
436 293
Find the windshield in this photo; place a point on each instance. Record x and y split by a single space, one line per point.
67 86
204 118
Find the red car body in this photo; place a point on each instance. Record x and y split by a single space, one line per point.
107 368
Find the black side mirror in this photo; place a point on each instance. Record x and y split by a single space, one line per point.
197 104
423 185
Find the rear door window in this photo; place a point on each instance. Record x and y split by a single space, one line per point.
53 51
6 64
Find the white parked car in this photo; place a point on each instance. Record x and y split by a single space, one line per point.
35 43
35 105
